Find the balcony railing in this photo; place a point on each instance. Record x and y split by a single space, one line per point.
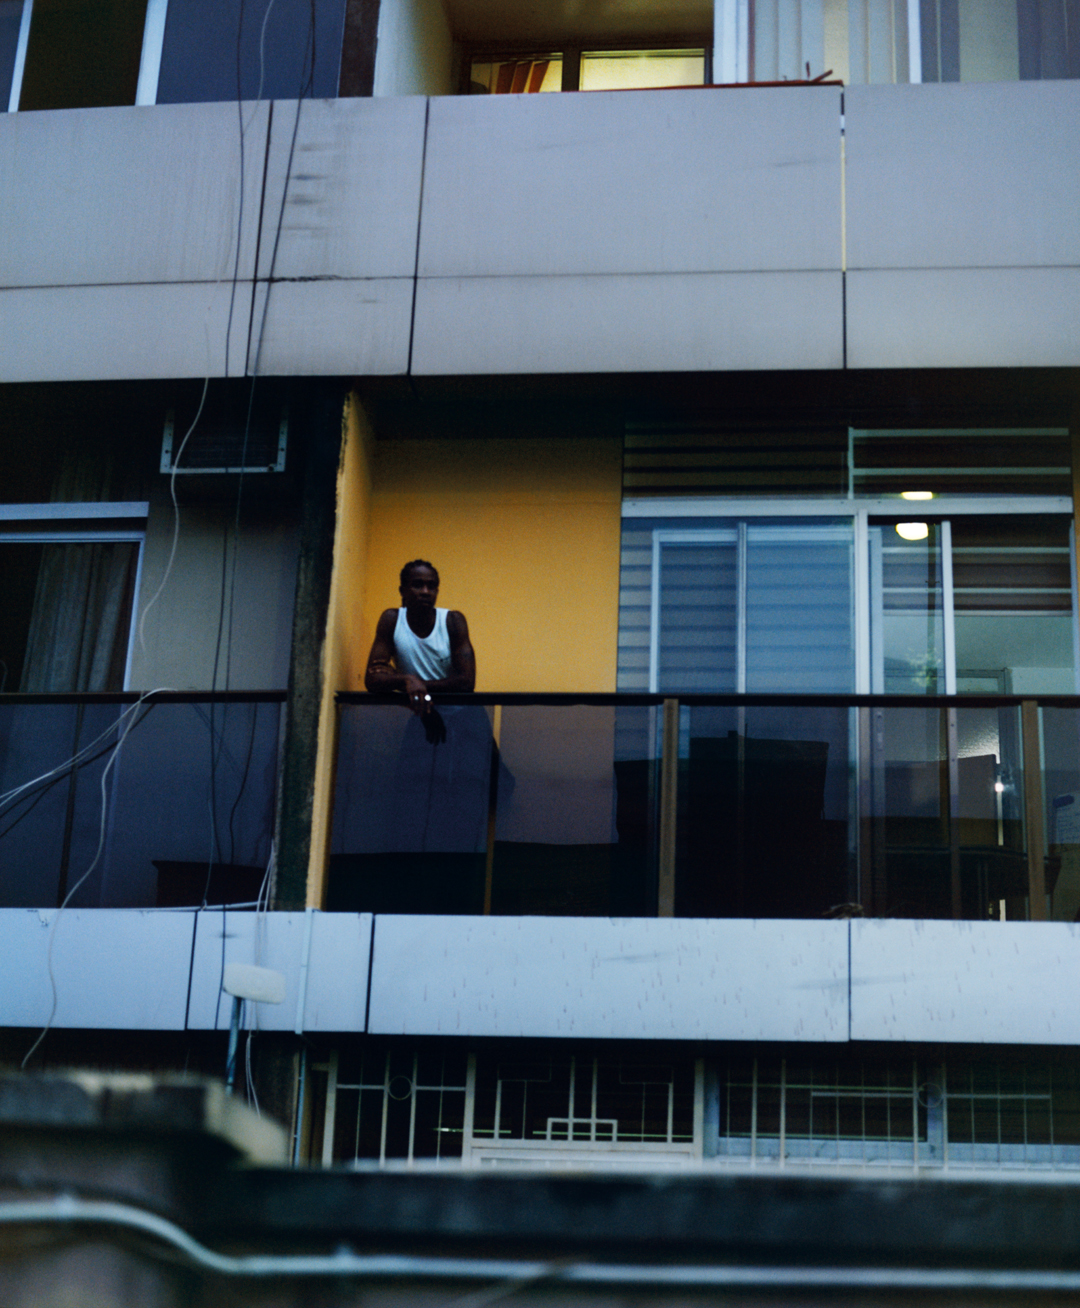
112 800
780 806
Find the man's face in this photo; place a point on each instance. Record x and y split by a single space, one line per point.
421 589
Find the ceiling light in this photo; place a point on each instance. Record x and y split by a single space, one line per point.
912 530
916 495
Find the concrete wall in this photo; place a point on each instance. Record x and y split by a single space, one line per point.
525 534
344 652
634 231
597 978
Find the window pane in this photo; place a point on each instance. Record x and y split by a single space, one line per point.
620 70
82 53
799 614
516 76
907 633
1012 582
10 20
698 615
200 50
66 625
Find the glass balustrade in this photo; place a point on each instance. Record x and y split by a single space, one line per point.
774 806
115 802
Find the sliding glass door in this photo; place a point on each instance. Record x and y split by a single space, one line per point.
753 607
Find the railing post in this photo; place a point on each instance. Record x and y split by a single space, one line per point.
952 752
1034 810
669 796
493 804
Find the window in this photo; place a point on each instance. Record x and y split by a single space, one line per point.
931 562
76 54
71 580
68 54
279 51
872 41
574 69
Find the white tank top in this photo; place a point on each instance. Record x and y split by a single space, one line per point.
426 657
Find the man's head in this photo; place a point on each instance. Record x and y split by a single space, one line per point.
419 584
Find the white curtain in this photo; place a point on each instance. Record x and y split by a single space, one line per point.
79 624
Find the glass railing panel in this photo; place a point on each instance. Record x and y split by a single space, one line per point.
765 821
411 810
187 813
576 820
944 832
33 819
1061 794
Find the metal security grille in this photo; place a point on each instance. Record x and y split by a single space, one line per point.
583 1108
382 1104
897 1114
389 1103
783 1112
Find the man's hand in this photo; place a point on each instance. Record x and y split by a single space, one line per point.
419 696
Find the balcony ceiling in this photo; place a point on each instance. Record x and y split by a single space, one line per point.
556 21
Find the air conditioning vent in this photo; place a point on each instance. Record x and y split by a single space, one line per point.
223 440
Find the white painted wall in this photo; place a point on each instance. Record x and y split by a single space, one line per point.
414 53
178 652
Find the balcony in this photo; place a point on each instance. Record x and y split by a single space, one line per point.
804 807
112 801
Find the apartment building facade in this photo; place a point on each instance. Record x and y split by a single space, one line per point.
723 358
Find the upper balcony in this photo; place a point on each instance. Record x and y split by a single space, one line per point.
685 230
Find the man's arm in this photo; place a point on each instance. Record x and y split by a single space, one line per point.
462 680
381 675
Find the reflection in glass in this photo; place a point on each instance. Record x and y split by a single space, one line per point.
1012 583
410 830
189 813
907 628
764 824
944 837
575 825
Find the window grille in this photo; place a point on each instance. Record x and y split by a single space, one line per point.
899 1114
581 1108
431 1105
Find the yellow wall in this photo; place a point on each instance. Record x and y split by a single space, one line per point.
343 660
525 534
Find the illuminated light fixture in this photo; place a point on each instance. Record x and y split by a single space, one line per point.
916 495
999 786
912 530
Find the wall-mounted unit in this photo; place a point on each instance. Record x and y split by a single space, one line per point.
232 432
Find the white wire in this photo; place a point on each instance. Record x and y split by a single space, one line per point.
97 856
75 758
176 517
261 909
